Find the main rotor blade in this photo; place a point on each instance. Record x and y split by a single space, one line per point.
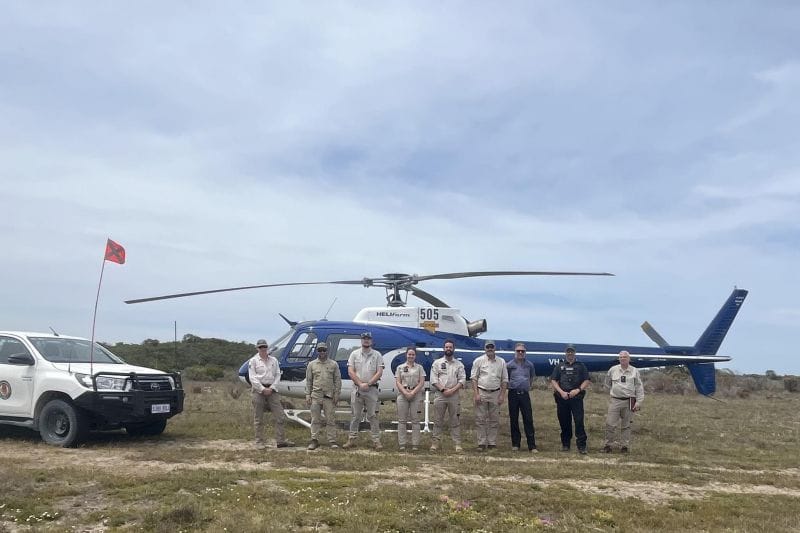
197 293
428 297
455 275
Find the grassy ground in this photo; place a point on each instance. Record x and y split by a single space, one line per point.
696 464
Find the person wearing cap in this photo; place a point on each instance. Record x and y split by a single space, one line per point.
323 385
448 377
627 394
410 380
520 382
569 380
365 368
489 383
265 373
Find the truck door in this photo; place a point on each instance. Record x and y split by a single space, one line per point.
16 381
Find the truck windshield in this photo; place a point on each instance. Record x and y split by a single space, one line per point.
58 350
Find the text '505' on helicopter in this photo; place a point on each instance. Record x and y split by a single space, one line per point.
397 326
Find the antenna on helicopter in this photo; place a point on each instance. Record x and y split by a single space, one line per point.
329 308
291 323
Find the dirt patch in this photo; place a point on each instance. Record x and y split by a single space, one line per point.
131 461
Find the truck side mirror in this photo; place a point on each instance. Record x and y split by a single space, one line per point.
21 359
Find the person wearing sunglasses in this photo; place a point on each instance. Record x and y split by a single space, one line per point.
520 383
264 372
323 385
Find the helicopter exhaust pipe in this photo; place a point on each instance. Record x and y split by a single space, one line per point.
476 327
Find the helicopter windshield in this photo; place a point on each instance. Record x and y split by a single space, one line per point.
276 347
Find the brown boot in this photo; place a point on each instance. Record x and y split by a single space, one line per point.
351 443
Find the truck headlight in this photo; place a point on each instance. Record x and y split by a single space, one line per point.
104 382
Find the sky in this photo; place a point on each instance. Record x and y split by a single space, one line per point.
266 142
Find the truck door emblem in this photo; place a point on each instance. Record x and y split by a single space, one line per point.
5 390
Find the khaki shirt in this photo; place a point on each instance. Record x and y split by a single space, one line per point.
489 374
365 364
408 376
263 372
445 374
323 379
630 387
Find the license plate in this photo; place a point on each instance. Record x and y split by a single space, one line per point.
159 408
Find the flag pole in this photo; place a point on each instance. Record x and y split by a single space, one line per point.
94 319
116 254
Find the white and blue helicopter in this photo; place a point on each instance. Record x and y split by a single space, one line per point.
396 326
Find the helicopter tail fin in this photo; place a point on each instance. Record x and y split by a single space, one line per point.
704 374
711 339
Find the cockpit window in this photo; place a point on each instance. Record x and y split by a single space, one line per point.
303 348
61 350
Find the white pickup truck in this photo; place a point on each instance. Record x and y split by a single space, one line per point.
63 387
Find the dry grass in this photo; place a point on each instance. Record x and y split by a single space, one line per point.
696 464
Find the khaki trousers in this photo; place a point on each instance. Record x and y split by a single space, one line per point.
408 411
450 408
487 417
272 403
318 407
619 414
368 401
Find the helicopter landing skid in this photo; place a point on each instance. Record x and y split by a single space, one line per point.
295 416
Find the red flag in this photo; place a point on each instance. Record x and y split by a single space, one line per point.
115 252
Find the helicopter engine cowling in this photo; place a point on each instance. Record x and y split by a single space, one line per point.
476 327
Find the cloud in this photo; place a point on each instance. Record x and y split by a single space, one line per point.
274 143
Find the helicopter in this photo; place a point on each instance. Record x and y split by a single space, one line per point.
396 326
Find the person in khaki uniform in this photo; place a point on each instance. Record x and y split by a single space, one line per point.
410 380
323 385
627 394
489 383
365 368
447 379
264 373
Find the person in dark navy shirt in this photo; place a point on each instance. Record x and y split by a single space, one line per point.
569 380
520 381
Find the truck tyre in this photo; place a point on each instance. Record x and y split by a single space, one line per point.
148 429
62 424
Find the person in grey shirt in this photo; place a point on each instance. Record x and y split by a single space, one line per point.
520 382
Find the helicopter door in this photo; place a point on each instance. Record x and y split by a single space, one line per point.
340 347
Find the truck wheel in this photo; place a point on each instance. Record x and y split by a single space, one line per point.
147 429
62 424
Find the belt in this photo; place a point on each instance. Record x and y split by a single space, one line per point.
408 388
519 391
487 390
266 384
618 398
